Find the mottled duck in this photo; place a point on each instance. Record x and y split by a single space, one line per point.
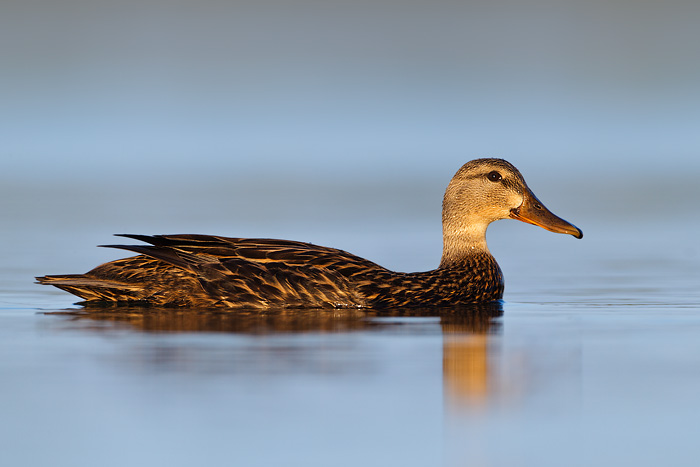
213 271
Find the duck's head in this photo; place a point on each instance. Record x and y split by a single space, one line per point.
486 190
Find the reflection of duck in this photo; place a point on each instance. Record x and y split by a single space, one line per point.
466 349
476 318
466 360
202 270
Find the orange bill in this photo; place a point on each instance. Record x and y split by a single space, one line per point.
534 212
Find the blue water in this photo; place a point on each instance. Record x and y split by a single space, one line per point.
340 123
594 358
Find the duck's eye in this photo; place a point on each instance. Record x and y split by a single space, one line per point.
494 176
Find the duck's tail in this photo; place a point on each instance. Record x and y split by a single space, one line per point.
94 289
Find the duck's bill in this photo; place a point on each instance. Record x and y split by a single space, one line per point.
534 212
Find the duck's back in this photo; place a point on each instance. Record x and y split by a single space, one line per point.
203 270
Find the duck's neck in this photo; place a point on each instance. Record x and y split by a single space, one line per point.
461 239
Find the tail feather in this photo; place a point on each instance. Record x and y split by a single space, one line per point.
81 279
93 289
159 276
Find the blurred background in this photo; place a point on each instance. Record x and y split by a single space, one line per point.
337 122
341 123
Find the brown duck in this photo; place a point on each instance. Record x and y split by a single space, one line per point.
212 271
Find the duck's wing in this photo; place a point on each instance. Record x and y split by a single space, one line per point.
263 272
213 270
188 251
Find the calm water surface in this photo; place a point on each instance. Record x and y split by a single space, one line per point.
592 359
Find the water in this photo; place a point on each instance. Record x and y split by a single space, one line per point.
592 359
341 125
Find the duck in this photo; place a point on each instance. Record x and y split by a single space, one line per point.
192 270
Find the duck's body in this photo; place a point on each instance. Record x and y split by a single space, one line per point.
203 270
212 271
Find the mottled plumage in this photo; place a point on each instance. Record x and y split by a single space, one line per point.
213 271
